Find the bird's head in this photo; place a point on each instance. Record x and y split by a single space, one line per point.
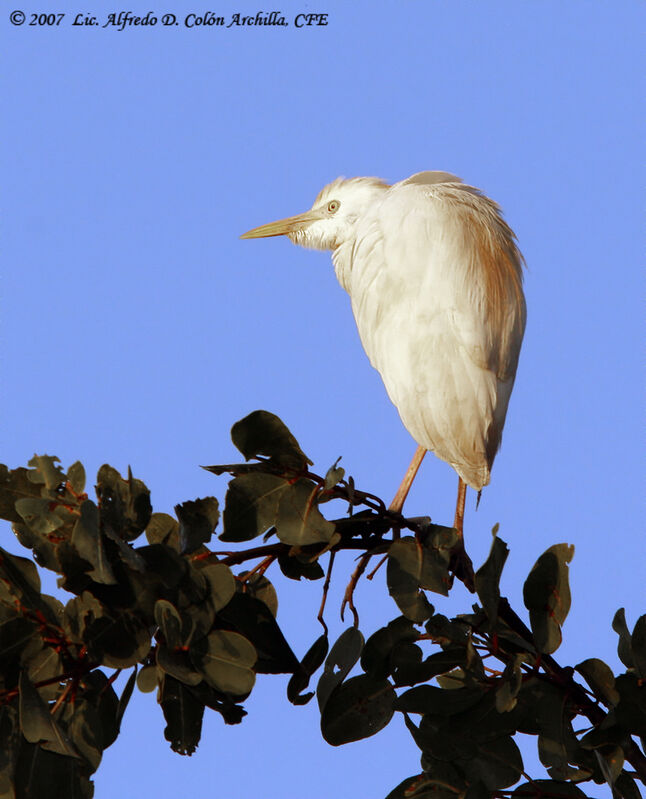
331 220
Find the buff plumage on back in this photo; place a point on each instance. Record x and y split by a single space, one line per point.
435 279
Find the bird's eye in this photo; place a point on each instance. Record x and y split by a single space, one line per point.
333 206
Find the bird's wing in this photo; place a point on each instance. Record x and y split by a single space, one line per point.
466 256
435 283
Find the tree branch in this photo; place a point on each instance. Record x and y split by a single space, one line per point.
564 676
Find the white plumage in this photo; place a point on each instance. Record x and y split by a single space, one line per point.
435 280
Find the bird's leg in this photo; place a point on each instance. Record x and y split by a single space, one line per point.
461 564
458 522
402 492
396 507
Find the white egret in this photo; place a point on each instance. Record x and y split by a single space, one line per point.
435 279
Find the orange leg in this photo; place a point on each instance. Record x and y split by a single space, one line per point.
402 492
459 507
396 507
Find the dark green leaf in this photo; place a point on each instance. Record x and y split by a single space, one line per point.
118 641
547 712
299 521
263 433
343 655
444 775
312 661
40 773
251 505
627 787
222 583
511 642
19 578
227 662
546 594
183 714
14 484
45 550
438 545
333 475
436 664
37 724
11 739
127 554
573 773
638 646
498 764
604 735
407 664
376 658
452 680
438 701
551 788
404 576
600 678
124 504
297 566
38 515
168 619
164 562
487 578
439 741
97 713
510 684
231 712
82 726
87 540
179 664
197 521
163 529
44 665
76 477
357 709
631 710
477 791
261 588
253 619
624 646
194 602
148 678
445 632
611 762
421 787
45 470
17 634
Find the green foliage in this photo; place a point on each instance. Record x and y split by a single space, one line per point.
171 609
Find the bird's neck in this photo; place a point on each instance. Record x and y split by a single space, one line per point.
342 260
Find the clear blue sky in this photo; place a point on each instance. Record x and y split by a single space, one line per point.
137 327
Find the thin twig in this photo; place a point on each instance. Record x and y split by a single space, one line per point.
348 597
377 567
259 568
62 697
326 586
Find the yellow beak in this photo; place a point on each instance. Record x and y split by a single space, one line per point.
284 226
